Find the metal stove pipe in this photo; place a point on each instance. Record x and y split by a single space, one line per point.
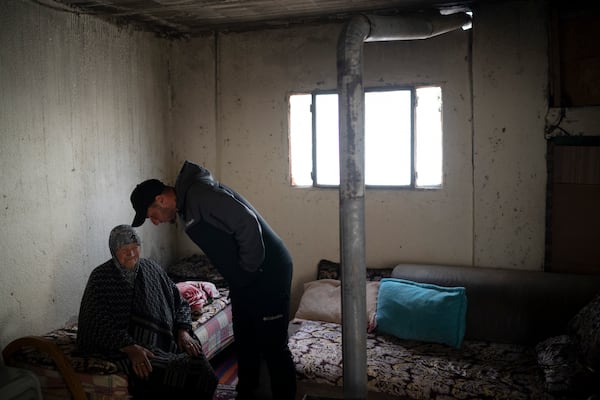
352 164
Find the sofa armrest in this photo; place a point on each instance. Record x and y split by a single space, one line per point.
47 346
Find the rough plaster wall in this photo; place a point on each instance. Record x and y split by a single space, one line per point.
257 70
510 90
261 143
193 108
427 225
82 117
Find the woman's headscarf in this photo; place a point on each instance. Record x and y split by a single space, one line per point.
120 236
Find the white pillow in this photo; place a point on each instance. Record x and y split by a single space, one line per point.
321 301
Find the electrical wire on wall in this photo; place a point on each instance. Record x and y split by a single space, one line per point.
554 129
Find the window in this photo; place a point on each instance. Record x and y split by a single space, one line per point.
403 138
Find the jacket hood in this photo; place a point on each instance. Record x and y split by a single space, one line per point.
189 174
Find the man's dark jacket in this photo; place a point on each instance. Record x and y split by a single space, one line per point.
234 236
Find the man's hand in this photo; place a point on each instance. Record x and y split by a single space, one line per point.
140 359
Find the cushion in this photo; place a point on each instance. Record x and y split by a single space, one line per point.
585 329
321 301
564 376
422 311
331 270
557 358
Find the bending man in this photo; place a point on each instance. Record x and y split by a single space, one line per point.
250 256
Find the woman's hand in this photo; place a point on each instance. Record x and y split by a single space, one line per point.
188 344
140 359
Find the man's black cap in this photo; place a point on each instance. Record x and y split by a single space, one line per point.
142 197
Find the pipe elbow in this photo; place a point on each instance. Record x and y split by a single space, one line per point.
389 28
355 32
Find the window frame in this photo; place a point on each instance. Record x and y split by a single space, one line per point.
412 88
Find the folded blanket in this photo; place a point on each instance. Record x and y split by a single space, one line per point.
197 294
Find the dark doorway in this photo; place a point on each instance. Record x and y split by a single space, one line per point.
573 205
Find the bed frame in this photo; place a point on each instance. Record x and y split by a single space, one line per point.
51 349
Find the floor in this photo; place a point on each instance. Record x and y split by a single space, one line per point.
225 366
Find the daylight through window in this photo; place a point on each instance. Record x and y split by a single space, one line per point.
403 138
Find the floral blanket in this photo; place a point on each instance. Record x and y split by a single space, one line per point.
417 370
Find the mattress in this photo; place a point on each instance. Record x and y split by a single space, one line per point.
214 329
418 370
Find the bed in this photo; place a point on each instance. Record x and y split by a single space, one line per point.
62 374
214 328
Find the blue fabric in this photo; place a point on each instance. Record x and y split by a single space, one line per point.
421 311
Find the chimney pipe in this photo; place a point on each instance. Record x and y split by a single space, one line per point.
362 29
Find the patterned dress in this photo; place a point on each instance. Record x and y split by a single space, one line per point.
123 307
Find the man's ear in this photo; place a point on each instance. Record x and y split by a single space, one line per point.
165 199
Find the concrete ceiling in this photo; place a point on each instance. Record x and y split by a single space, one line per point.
195 17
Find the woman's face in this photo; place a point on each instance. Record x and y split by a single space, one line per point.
128 255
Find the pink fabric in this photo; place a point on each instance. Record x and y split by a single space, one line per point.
198 293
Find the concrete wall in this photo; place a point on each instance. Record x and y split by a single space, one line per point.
193 122
257 71
89 109
510 81
83 115
490 211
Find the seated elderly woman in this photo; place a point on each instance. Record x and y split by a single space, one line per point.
132 313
